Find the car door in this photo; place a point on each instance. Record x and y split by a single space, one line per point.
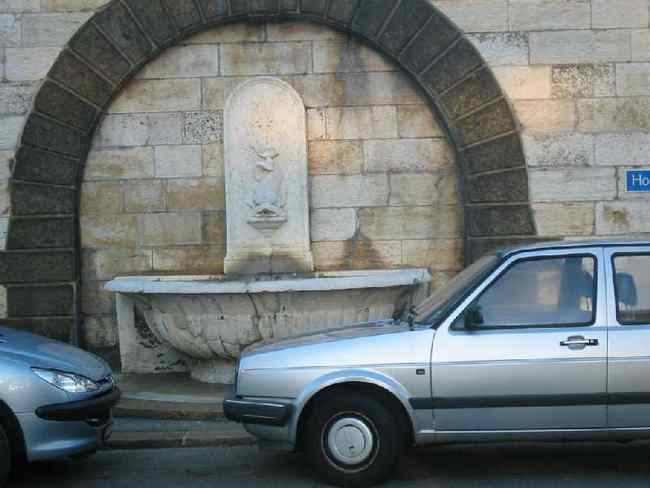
628 270
539 360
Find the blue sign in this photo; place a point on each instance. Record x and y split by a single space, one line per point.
638 181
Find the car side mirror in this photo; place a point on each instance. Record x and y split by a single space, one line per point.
473 317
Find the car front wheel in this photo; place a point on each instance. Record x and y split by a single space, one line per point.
5 456
353 439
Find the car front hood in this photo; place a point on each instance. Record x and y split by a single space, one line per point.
40 352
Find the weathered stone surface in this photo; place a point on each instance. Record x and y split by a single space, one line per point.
458 62
326 90
213 8
44 167
158 96
525 82
316 124
71 72
202 127
212 161
619 14
90 44
342 10
579 46
144 196
633 79
388 223
71 5
506 187
107 263
478 89
407 155
502 48
405 22
264 59
432 40
329 191
139 130
29 63
546 115
40 301
348 56
100 231
190 259
118 164
314 6
640 45
169 229
36 267
10 30
566 185
416 189
154 19
540 15
9 131
196 194
361 122
622 149
65 107
117 22
614 114
184 13
192 61
35 233
501 153
32 199
564 149
16 99
509 220
438 254
564 219
51 29
301 31
337 224
335 157
371 17
100 332
476 15
101 197
177 161
620 218
357 254
488 122
214 228
583 81
387 88
417 121
240 32
56 328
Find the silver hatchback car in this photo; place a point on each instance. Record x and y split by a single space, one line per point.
542 342
55 399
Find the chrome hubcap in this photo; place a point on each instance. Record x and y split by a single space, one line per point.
350 441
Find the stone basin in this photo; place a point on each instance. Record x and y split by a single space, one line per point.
211 319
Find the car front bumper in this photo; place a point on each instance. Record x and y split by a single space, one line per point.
254 411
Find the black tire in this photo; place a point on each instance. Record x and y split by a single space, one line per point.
337 409
5 456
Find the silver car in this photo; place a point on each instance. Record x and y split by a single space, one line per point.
541 342
55 400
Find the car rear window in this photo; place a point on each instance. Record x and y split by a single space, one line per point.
632 285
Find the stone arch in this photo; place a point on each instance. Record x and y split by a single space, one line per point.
41 266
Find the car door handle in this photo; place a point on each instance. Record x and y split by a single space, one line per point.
579 342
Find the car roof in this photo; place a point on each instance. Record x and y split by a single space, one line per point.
548 245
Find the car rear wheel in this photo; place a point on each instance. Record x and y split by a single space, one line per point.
5 456
353 440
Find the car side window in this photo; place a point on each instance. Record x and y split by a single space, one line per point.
632 285
555 291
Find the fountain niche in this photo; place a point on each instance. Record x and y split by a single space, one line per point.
269 289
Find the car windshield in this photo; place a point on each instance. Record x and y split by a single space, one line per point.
434 308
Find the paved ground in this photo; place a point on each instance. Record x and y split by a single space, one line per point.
505 465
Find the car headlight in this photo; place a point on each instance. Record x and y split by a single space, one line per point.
72 383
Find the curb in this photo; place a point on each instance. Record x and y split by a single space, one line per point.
230 437
158 410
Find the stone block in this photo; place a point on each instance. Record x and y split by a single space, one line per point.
300 31
9 131
96 300
335 157
100 332
16 99
405 22
622 149
154 20
240 32
39 233
202 127
612 114
33 199
348 56
566 149
371 16
620 14
511 220
583 81
423 189
139 130
169 229
100 231
158 96
437 254
333 224
525 82
51 29
390 88
407 155
213 162
71 5
93 46
361 122
264 59
119 164
106 264
388 223
456 63
20 6
417 121
505 187
316 124
46 134
621 218
44 167
213 9
319 90
6 164
342 10
117 22
10 30
144 196
567 185
184 12
36 266
640 45
101 197
57 328
329 191
476 15
472 93
487 123
436 36
546 115
579 46
214 228
502 48
196 194
74 74
40 301
504 152
190 259
29 63
633 79
65 107
359 254
564 219
177 161
191 61
540 15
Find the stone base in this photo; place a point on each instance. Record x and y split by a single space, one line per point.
219 371
245 264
